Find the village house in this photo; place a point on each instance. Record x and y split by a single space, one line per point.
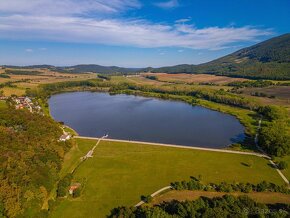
73 187
26 102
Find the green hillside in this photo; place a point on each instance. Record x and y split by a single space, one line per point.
267 60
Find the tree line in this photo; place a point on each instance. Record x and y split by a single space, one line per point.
274 134
196 184
225 206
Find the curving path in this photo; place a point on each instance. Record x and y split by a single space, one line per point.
154 194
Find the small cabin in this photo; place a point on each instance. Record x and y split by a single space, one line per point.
64 137
73 187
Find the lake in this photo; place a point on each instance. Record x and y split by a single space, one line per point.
137 118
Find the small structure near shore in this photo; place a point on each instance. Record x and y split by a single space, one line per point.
65 137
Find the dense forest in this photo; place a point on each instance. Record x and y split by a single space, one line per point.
226 206
267 60
30 158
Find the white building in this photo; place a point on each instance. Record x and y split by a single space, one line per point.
64 137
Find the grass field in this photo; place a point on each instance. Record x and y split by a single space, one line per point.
8 91
2 104
262 197
119 173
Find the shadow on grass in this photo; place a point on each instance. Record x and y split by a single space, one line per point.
245 164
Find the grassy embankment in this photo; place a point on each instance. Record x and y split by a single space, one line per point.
119 173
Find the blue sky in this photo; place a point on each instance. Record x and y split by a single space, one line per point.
134 33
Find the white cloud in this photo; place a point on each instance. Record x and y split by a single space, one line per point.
64 7
185 20
29 50
70 21
167 4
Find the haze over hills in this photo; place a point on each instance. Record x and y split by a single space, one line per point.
266 60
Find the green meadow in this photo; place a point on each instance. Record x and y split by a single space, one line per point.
2 104
119 173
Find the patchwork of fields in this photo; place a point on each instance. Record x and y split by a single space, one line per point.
23 82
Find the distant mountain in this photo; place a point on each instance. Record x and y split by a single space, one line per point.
269 60
96 69
44 66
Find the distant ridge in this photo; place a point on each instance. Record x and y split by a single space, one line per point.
266 60
83 68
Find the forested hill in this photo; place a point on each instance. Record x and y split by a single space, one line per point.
268 60
82 68
30 159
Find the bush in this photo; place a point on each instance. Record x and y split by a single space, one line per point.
63 185
146 199
77 193
282 165
4 76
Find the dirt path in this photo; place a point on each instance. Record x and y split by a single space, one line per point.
154 194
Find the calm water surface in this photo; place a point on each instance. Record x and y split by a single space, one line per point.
145 119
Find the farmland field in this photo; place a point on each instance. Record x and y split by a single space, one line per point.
119 173
282 92
22 82
195 78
